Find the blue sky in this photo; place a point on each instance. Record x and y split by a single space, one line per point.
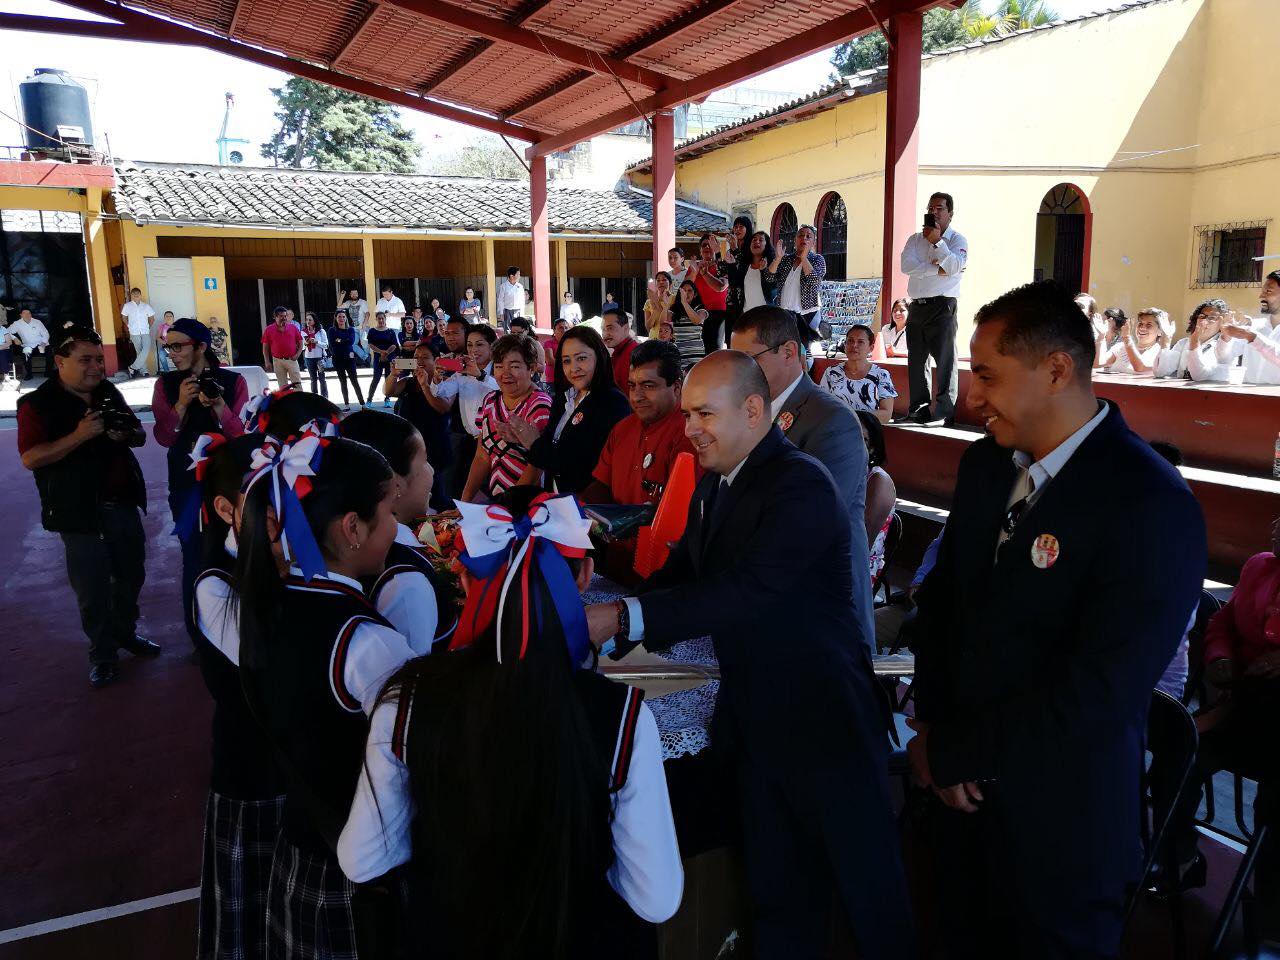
159 102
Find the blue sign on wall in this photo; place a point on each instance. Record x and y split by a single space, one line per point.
211 283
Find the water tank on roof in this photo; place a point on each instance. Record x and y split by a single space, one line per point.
56 109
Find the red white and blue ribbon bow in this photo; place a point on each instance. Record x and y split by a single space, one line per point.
553 529
194 516
288 471
255 411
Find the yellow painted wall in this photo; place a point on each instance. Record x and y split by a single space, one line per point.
1158 115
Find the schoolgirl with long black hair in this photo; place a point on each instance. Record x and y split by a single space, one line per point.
525 792
314 653
246 793
406 592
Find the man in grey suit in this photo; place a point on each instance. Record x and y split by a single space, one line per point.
819 425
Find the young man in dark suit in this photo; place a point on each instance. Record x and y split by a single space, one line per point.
819 425
763 568
1041 631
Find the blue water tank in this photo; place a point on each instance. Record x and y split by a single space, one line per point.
56 108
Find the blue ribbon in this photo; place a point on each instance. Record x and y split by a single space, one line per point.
188 522
566 599
300 542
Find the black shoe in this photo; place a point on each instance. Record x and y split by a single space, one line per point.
1191 876
100 674
140 647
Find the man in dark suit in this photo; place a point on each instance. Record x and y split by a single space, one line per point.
819 425
1042 629
763 568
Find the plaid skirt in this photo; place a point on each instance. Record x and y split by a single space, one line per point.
239 841
309 915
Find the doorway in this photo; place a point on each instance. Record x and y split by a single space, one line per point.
1063 225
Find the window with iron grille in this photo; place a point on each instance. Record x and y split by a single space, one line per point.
785 226
1227 254
833 235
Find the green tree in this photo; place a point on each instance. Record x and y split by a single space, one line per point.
945 28
482 157
324 128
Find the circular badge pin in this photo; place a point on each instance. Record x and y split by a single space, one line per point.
647 462
1045 550
577 418
785 420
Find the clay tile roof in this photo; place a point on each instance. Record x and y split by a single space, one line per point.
282 197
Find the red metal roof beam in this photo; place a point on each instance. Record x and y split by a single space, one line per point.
502 32
788 51
144 26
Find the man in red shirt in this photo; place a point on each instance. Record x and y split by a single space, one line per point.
281 348
640 451
616 329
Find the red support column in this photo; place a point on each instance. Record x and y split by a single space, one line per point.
541 242
664 187
902 151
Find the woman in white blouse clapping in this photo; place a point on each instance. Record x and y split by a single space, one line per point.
1194 356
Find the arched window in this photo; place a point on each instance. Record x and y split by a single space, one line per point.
1063 227
785 225
833 235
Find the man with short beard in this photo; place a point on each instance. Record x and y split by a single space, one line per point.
1257 340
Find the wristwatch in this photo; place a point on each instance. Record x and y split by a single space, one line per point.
624 621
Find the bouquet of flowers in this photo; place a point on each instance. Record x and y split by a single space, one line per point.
438 535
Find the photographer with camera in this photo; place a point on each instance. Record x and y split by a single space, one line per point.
74 434
194 398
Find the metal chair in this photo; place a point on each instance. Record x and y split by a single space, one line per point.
1171 731
1238 896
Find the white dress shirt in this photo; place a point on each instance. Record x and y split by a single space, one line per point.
408 601
393 308
952 253
571 312
138 316
511 296
32 333
469 392
1262 357
647 872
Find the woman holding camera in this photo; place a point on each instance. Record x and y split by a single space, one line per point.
194 398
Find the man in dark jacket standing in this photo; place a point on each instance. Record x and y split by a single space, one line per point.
74 434
763 568
1042 630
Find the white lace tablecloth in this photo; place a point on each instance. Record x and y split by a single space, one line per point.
684 716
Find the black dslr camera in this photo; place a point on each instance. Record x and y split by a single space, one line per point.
210 388
117 419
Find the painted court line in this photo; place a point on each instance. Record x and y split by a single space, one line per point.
43 927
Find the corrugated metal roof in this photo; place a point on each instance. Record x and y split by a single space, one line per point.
284 197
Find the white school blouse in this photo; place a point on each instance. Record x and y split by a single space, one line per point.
647 872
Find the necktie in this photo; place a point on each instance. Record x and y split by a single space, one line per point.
719 502
1020 498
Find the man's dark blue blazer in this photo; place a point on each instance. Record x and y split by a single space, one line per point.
799 709
1037 678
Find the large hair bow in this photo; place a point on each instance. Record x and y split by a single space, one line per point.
193 515
255 412
552 530
288 471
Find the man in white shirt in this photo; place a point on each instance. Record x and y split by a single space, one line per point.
1258 341
934 261
511 299
33 336
392 306
138 315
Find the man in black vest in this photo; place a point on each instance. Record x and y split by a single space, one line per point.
763 568
74 433
1041 630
